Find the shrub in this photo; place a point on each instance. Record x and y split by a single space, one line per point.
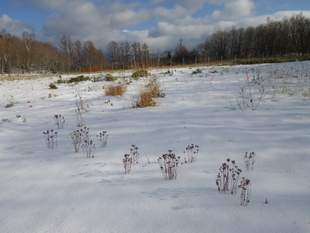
80 78
110 78
145 99
52 86
169 72
139 74
117 90
306 93
197 71
10 105
146 96
154 87
97 79
60 81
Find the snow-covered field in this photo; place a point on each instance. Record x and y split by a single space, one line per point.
44 190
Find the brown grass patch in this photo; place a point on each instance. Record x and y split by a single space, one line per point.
154 88
146 96
110 78
145 99
117 90
139 74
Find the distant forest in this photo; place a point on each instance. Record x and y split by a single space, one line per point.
273 41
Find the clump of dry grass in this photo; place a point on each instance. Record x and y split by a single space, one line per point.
145 99
17 77
154 87
117 90
110 78
306 93
146 96
77 79
52 86
139 74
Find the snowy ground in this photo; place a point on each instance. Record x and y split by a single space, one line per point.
45 190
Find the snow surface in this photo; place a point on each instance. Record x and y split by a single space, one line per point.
44 190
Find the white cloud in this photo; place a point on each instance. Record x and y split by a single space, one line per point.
103 21
238 7
171 14
12 26
233 9
276 16
192 5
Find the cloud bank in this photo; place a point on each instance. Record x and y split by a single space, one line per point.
12 26
159 23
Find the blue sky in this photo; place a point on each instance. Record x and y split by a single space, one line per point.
157 22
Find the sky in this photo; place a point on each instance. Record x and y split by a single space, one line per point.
159 23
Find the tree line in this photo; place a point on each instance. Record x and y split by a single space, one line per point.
275 38
26 54
289 37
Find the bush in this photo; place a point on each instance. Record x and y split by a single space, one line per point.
52 86
77 79
110 78
145 100
60 81
139 74
197 71
169 72
117 90
80 78
306 93
10 105
97 79
154 88
146 97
